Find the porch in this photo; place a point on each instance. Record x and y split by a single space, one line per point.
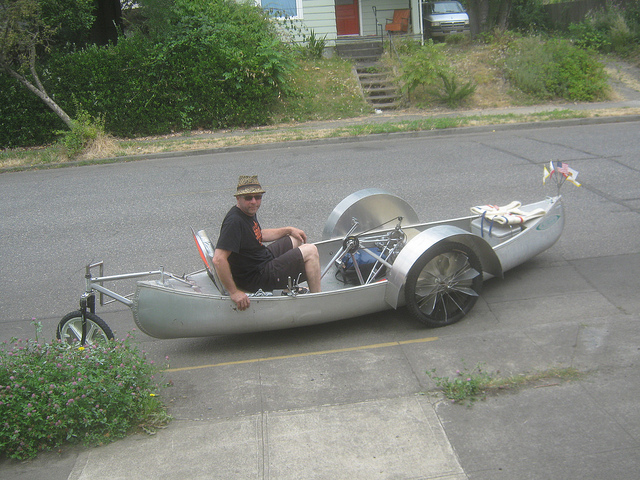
337 21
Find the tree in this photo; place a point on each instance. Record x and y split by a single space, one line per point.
487 14
27 29
108 22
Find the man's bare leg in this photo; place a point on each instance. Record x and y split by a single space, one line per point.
311 263
311 266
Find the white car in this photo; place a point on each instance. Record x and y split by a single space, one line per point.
444 18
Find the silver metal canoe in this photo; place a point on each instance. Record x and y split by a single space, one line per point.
194 306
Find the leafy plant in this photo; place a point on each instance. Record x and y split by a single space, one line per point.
55 393
470 385
587 35
555 68
84 131
465 385
423 67
452 92
611 28
315 45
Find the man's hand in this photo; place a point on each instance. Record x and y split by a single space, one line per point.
273 234
221 263
298 235
241 300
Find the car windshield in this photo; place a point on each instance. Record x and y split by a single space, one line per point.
446 7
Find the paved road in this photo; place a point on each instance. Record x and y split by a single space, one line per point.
340 401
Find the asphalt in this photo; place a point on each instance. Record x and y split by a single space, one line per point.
371 411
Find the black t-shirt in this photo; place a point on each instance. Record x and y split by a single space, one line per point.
241 235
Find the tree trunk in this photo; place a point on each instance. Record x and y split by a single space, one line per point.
108 22
478 14
41 93
503 15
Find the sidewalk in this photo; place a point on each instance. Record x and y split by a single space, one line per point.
367 413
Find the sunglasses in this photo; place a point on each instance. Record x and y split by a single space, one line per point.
248 198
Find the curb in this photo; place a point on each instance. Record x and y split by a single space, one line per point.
334 140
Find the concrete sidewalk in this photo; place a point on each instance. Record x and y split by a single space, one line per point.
373 412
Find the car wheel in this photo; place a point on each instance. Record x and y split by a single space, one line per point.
443 284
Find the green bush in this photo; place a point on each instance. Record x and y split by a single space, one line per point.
84 131
52 394
458 39
609 29
422 67
587 35
25 121
632 17
216 64
556 68
574 74
525 66
528 16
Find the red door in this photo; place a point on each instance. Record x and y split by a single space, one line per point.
347 22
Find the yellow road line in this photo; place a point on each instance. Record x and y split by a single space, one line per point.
308 354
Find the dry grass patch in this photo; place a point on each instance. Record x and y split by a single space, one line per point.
477 63
103 146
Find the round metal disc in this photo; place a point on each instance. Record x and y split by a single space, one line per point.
371 207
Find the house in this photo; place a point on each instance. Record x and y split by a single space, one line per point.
339 19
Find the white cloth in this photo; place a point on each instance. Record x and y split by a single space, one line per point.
509 214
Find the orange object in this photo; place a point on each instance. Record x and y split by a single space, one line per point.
400 22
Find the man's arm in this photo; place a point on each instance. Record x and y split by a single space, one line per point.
271 234
223 269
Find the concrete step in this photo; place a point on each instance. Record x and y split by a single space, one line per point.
386 98
383 89
374 77
343 45
371 69
376 81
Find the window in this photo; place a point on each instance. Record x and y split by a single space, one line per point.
283 8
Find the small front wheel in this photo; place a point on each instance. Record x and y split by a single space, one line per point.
70 329
443 284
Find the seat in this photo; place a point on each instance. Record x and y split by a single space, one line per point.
206 250
400 22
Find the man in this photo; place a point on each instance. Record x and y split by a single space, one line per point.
244 264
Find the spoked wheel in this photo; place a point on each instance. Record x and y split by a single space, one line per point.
70 329
443 285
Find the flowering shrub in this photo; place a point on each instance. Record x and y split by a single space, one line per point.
56 393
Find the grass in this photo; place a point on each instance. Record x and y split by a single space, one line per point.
15 160
324 90
470 385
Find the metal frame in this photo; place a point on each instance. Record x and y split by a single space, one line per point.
389 243
96 284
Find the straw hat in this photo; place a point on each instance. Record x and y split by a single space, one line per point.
248 184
